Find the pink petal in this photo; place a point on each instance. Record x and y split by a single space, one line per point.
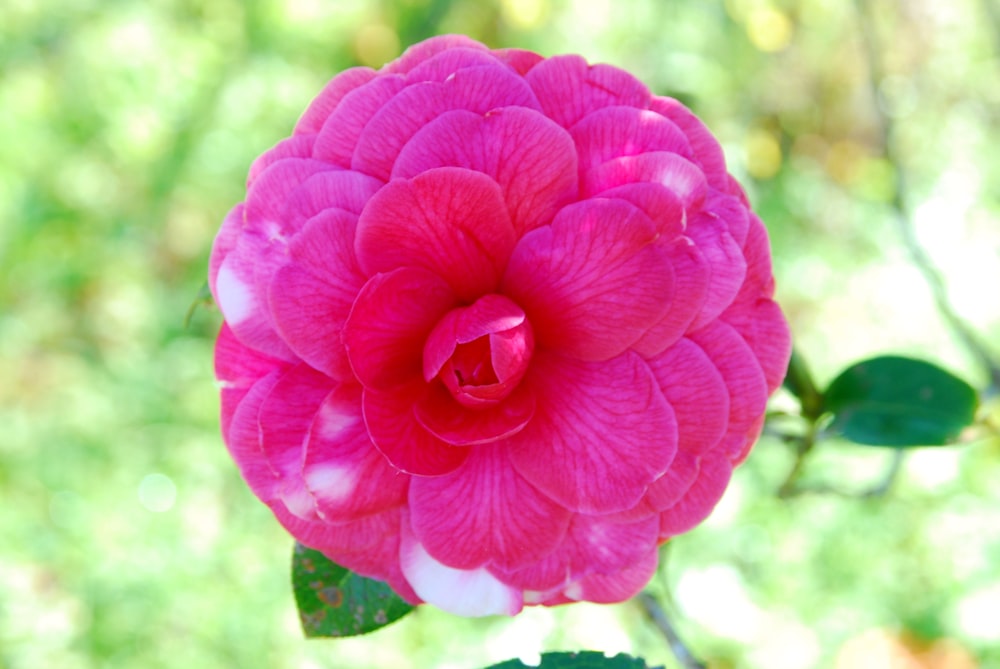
224 243
664 492
705 149
593 282
311 296
592 545
243 439
743 377
713 477
369 536
268 195
462 592
329 98
521 60
618 586
392 425
663 207
733 213
299 146
762 325
333 189
614 132
602 432
451 422
427 49
692 275
485 512
237 369
678 175
449 220
476 89
348 477
727 265
697 392
532 158
389 323
443 65
569 88
285 417
338 137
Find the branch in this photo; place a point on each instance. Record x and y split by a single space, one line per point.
659 618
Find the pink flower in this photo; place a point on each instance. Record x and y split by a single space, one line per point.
497 326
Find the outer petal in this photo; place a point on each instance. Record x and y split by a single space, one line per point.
329 98
225 241
441 66
705 149
237 368
424 51
392 425
285 417
477 89
342 469
593 282
267 197
389 323
455 224
521 60
311 296
614 132
678 175
531 157
299 146
619 586
462 592
485 512
569 88
332 189
243 439
713 477
726 262
339 135
602 432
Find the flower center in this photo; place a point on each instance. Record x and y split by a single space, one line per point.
480 352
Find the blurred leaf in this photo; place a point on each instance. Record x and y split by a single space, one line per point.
202 299
334 601
800 383
583 660
899 402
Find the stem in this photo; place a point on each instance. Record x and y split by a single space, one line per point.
659 618
805 446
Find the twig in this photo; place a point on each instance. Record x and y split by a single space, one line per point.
659 617
902 216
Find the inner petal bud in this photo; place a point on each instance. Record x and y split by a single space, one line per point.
480 352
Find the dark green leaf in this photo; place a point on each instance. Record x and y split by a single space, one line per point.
899 402
582 660
334 601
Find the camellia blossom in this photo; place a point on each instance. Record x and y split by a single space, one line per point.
496 327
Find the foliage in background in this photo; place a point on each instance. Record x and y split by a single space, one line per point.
129 539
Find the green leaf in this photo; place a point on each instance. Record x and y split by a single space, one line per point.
203 298
334 601
899 402
800 383
587 659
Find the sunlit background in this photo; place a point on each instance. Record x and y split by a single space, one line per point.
127 538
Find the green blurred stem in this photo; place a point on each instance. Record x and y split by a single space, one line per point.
805 446
920 259
658 616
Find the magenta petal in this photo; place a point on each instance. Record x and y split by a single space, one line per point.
443 65
225 241
268 195
424 51
394 428
243 439
726 263
593 282
761 323
614 132
311 296
456 424
618 586
333 189
569 88
743 377
520 59
662 205
476 89
705 149
348 477
237 369
338 137
678 175
485 512
299 146
449 220
713 477
602 432
326 102
389 323
529 156
285 417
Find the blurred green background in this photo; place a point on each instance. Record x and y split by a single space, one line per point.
127 538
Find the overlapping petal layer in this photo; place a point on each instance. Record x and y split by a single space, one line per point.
497 326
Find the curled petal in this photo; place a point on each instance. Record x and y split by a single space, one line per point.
528 155
450 221
389 323
458 424
485 513
607 425
593 282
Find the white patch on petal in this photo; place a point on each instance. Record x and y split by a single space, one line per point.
298 500
330 483
332 421
235 299
574 592
462 592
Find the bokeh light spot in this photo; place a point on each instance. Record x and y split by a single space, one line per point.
376 44
157 493
769 29
763 154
